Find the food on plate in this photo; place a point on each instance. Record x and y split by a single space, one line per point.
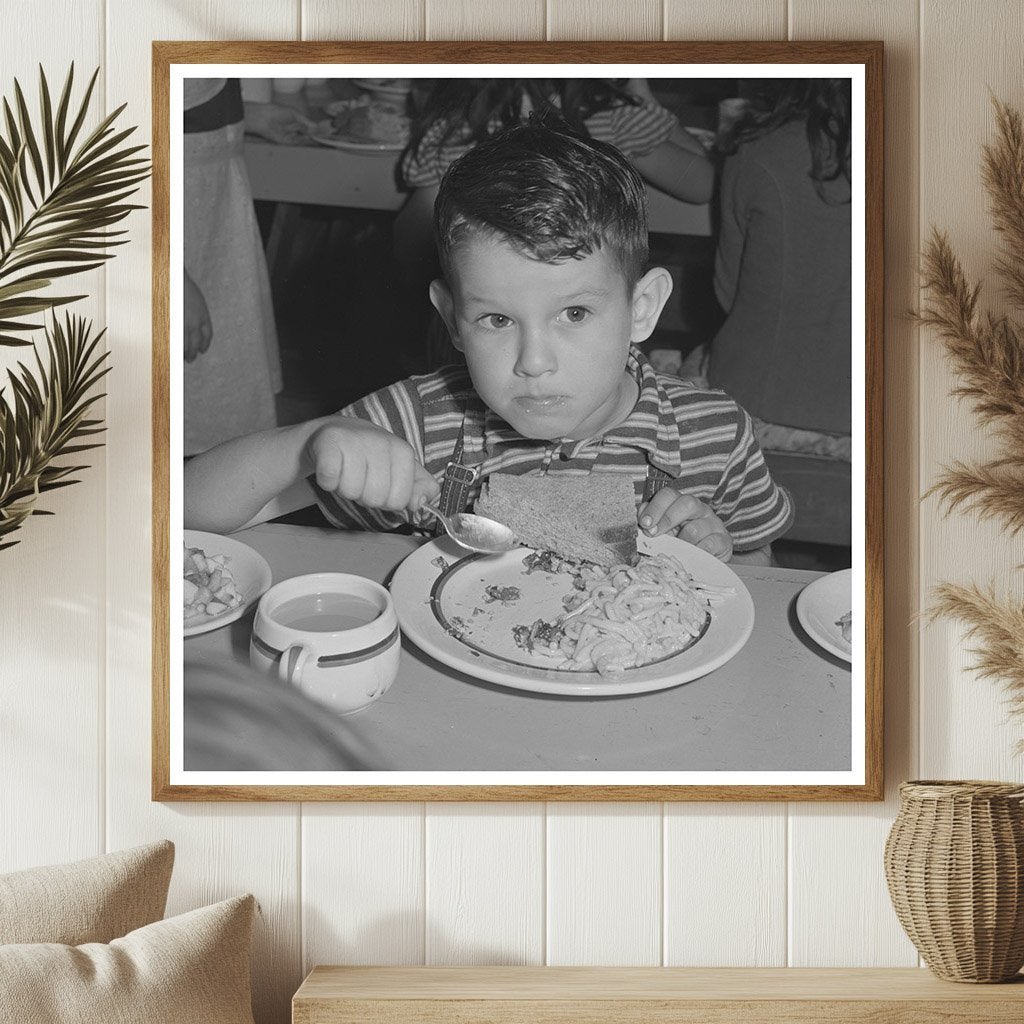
624 616
547 561
209 588
370 120
588 518
845 623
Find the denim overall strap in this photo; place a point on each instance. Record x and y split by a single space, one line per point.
458 478
656 480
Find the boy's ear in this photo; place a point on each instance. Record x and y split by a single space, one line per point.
441 298
649 298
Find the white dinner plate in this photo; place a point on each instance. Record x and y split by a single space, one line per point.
821 604
351 143
354 145
248 569
461 609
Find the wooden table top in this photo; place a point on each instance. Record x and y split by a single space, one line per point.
647 995
645 983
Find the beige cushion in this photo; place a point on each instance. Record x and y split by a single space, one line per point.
184 970
92 900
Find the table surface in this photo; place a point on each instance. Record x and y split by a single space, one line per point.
336 177
781 704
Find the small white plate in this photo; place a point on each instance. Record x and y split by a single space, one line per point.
443 605
821 604
352 143
248 568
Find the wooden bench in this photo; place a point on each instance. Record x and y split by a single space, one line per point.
647 995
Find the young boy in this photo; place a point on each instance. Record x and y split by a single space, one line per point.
543 242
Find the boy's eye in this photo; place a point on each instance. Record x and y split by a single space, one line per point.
576 314
497 320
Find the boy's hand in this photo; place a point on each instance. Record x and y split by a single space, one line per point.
364 463
689 518
198 327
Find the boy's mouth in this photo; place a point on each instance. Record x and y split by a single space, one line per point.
539 404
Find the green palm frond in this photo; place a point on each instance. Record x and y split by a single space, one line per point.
45 417
61 194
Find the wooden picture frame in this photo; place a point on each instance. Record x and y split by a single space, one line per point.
856 713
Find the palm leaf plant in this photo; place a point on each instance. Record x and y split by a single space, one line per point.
62 192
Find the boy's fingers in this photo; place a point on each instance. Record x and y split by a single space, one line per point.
697 531
667 510
402 475
377 484
424 488
353 478
652 512
717 544
329 464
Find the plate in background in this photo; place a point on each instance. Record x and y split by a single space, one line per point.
821 604
248 569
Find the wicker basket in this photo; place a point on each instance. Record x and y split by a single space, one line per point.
954 861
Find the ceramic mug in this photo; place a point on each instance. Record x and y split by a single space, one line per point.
332 635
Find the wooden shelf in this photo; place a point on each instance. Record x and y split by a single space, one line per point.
637 995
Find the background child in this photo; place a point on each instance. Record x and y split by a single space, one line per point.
542 238
782 269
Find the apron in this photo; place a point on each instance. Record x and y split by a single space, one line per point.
229 389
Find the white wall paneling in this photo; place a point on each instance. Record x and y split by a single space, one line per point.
963 724
713 849
474 19
726 19
363 885
378 19
604 884
510 883
485 883
52 590
598 19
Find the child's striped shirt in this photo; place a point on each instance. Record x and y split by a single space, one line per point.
700 438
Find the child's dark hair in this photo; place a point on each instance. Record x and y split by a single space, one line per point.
552 194
475 108
823 104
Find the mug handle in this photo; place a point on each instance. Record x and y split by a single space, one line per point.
289 668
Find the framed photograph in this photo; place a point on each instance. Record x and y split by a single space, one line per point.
554 290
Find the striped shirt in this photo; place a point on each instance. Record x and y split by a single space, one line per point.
635 129
700 438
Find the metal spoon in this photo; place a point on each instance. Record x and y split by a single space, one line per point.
477 533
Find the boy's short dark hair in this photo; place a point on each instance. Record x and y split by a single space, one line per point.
553 194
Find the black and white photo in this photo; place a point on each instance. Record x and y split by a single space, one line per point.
521 424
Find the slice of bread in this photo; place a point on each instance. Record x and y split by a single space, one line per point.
588 518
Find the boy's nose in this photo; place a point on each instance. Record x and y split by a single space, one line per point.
535 355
